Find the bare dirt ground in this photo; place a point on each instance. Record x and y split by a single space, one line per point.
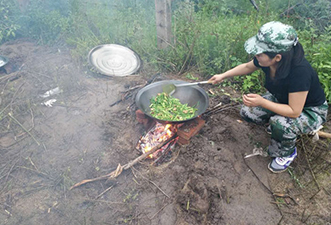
45 150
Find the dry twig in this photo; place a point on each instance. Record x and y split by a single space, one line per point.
159 211
14 96
102 193
219 108
280 195
309 166
7 76
132 168
35 171
11 116
268 189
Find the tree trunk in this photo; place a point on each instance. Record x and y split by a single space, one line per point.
163 23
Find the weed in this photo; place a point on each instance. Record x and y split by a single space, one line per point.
9 24
191 77
295 178
280 202
253 83
131 196
65 179
126 220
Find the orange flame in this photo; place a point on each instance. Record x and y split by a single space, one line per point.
159 134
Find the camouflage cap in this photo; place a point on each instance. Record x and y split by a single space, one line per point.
272 37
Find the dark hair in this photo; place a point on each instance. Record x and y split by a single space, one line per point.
289 59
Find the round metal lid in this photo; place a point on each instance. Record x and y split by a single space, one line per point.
114 60
3 61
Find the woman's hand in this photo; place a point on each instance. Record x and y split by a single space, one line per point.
242 69
253 100
216 78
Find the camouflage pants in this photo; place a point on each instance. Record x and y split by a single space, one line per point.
284 130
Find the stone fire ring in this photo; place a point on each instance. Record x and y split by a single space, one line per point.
114 60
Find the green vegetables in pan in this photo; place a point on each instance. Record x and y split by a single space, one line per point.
165 107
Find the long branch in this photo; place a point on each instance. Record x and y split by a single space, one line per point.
120 168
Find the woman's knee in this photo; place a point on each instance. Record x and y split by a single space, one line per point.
282 126
244 112
253 114
247 114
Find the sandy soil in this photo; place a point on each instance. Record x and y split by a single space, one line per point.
45 150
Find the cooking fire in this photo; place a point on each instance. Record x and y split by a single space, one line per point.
167 135
159 134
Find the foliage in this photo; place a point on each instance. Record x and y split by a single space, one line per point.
101 23
316 12
44 22
208 35
206 41
253 82
191 77
317 49
8 25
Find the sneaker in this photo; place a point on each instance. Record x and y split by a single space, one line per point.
280 164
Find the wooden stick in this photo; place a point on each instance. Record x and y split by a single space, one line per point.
135 87
120 168
310 169
324 134
7 76
102 193
159 210
143 156
11 116
257 177
220 107
151 183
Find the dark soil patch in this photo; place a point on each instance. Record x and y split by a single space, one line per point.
45 150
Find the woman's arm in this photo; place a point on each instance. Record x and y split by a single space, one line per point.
242 69
293 109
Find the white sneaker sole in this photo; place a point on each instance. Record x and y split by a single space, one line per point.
276 171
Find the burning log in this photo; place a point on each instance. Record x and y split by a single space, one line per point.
164 152
160 133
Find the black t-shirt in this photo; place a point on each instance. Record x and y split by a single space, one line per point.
301 78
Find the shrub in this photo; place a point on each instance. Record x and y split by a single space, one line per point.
44 22
208 36
317 49
9 24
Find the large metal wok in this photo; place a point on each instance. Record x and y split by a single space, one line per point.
191 95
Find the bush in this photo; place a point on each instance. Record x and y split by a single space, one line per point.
208 35
8 17
104 23
317 49
45 22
